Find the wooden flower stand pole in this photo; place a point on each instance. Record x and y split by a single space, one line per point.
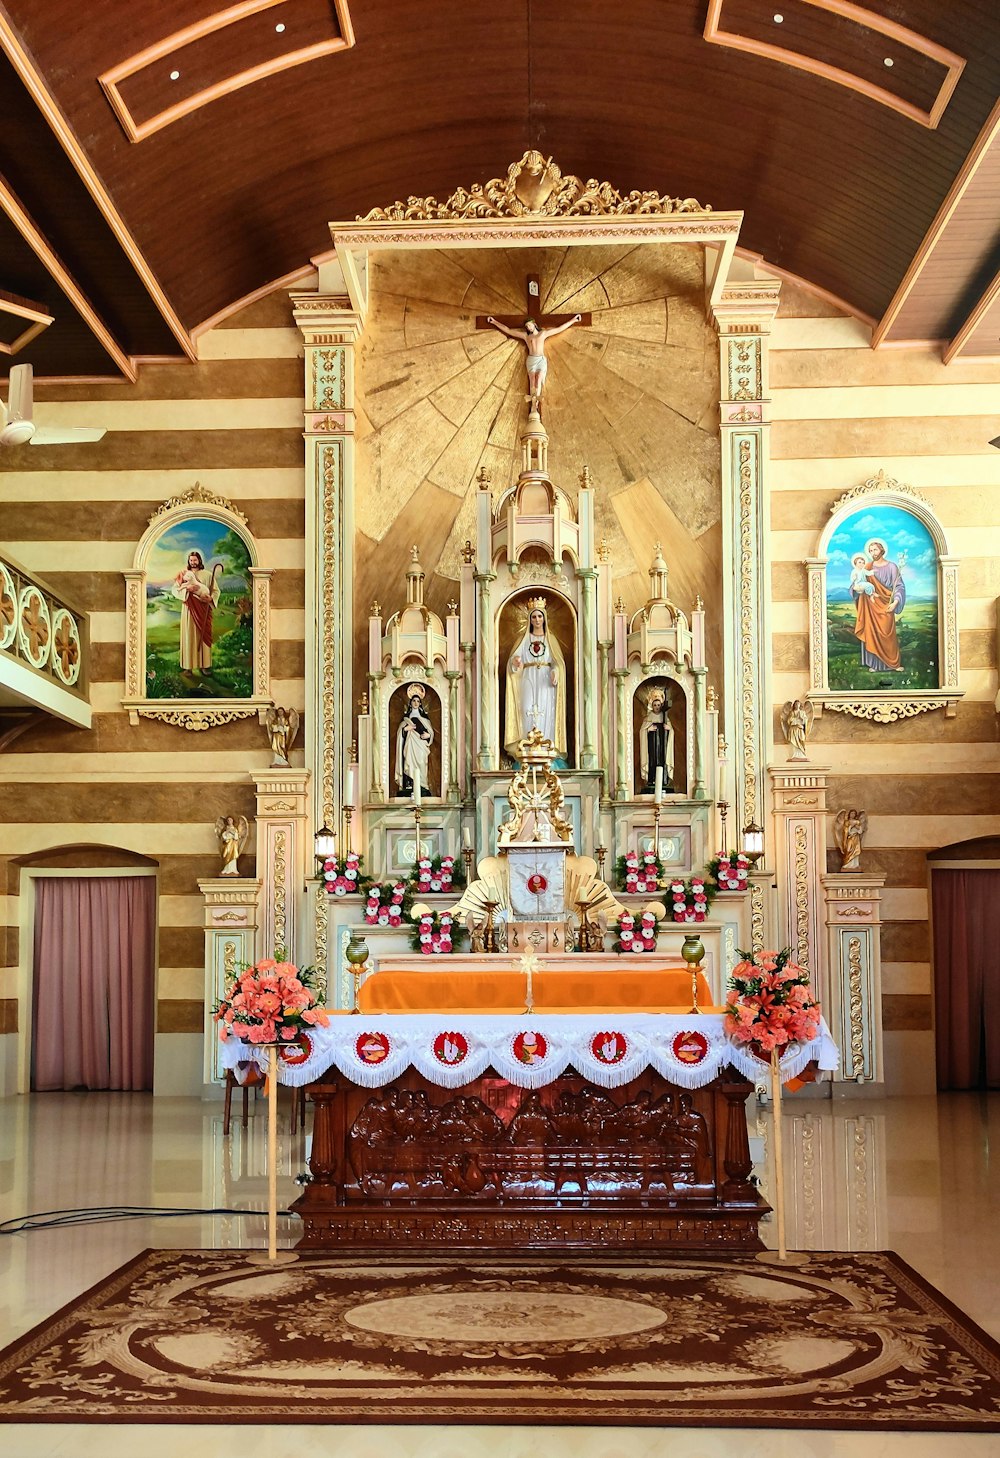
780 1256
274 1256
779 1162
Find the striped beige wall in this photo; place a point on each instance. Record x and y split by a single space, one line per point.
150 792
841 412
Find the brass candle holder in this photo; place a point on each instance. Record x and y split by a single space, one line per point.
693 952
468 856
723 813
356 954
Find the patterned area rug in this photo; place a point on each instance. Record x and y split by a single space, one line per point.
844 1341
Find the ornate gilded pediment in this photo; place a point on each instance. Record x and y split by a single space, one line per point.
534 188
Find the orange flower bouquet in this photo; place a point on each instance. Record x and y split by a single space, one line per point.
270 1002
770 1002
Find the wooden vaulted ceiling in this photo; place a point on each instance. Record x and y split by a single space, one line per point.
159 164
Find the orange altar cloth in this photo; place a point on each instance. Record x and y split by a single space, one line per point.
656 989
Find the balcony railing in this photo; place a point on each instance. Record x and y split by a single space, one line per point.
44 645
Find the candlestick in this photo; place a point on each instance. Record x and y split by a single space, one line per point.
348 813
723 812
656 830
602 852
468 856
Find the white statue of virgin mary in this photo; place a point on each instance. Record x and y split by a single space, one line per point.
536 684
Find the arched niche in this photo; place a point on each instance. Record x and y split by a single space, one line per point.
512 618
392 705
434 706
677 719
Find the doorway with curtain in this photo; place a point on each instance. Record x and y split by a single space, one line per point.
93 982
965 922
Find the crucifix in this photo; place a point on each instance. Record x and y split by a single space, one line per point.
532 332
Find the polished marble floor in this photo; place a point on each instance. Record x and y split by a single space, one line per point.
918 1176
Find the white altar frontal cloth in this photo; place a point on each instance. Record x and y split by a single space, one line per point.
529 1050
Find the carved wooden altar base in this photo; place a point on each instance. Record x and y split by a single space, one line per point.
570 1166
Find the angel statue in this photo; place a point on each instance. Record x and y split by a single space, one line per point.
849 829
797 718
232 835
282 728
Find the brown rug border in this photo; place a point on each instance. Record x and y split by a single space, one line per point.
371 1415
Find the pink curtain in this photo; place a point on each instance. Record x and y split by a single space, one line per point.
93 982
965 907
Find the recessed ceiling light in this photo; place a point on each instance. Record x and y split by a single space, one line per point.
175 75
279 28
888 61
778 19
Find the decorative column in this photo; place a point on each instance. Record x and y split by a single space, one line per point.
230 921
588 632
484 575
454 792
487 688
763 935
622 788
852 998
800 863
330 325
698 791
284 859
744 315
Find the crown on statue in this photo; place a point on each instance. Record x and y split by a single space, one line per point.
537 604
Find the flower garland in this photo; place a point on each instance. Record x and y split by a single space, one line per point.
731 871
268 1002
639 872
437 874
343 877
689 900
388 903
435 934
641 938
770 1002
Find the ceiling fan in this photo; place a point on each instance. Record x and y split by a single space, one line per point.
18 426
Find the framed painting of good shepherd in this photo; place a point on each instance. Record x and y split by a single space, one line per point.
197 604
883 607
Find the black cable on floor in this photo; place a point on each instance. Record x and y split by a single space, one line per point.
60 1219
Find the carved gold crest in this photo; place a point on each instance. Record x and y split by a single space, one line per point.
534 188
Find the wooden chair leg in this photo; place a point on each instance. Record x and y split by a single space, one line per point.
298 1108
227 1103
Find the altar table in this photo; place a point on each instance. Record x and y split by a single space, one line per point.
501 989
589 1132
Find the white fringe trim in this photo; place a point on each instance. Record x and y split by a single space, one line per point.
569 1037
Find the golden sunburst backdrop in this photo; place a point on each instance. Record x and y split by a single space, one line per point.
634 396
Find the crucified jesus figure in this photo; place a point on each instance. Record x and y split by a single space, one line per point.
533 340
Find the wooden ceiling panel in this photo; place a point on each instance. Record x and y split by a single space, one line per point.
847 44
224 52
836 187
